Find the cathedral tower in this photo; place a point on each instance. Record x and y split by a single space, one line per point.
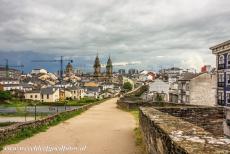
69 70
97 67
109 68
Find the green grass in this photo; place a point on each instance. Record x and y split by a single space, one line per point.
137 132
3 124
18 103
14 103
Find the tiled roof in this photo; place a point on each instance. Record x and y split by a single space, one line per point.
90 84
48 90
188 76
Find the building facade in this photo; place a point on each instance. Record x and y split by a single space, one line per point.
11 73
159 87
222 52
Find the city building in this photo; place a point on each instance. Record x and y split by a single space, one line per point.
9 84
222 52
133 71
183 87
77 92
173 71
197 89
37 71
11 73
173 92
33 95
121 71
146 76
49 94
206 68
158 87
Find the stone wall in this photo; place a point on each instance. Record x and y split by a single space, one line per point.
164 133
132 100
12 130
209 118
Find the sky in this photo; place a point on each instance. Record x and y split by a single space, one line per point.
145 34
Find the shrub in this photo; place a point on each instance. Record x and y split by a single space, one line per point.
127 86
5 95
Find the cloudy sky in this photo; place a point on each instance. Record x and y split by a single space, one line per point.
153 33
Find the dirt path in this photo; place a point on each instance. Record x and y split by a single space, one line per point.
103 129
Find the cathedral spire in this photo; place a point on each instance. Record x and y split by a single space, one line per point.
109 68
97 67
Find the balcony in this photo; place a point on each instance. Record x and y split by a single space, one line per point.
220 102
221 66
220 84
182 91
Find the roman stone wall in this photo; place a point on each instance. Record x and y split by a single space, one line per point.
164 134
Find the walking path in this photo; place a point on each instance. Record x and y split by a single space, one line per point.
103 129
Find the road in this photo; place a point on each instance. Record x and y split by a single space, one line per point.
103 129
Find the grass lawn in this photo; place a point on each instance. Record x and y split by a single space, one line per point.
18 103
3 124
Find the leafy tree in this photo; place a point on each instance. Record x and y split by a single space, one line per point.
5 95
127 86
159 98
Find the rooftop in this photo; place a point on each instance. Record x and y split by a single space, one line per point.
219 45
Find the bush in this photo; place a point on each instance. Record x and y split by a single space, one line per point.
5 95
127 86
159 98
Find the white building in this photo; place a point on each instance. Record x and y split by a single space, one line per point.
39 71
49 94
159 87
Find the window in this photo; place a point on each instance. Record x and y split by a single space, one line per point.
228 98
228 79
42 96
221 59
228 59
187 86
221 78
187 98
220 95
47 96
35 96
31 96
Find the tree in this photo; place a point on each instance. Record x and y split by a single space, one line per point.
127 86
5 95
159 98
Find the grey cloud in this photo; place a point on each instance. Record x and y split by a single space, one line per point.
129 30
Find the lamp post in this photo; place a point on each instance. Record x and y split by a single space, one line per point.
35 111
25 112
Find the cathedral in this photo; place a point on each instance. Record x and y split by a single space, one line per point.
97 68
69 70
